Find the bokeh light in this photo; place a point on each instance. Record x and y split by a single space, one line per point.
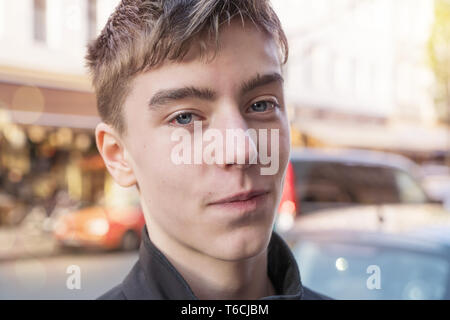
28 103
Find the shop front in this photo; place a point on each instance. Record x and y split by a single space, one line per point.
47 150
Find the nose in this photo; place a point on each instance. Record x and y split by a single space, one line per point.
239 142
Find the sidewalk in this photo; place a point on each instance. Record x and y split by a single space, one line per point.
25 241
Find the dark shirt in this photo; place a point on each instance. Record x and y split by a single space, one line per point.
153 277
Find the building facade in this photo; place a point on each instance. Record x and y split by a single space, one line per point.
363 57
50 35
47 105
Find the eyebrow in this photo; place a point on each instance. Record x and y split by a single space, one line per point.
260 81
164 97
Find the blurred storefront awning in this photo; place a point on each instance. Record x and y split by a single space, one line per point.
390 136
47 100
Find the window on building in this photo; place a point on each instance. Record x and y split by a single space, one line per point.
40 20
2 17
320 62
92 19
342 75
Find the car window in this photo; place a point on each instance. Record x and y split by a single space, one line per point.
333 182
341 271
409 189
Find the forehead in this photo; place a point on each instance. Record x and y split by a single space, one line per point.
243 52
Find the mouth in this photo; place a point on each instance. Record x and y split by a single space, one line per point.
241 197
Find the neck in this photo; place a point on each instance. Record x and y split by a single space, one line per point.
228 280
211 278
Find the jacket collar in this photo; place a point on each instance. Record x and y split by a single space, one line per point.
154 277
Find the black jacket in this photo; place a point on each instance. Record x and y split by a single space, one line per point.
153 277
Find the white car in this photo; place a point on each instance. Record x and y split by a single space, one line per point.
351 177
436 181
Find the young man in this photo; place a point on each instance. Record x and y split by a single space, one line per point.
163 69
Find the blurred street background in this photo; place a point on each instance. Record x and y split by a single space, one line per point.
368 95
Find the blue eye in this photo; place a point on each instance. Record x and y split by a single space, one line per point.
183 118
262 106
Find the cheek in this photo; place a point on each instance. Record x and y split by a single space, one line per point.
154 167
164 190
285 145
282 144
285 135
284 148
163 183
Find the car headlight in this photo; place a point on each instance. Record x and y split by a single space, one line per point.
98 227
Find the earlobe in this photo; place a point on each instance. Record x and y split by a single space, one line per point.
114 155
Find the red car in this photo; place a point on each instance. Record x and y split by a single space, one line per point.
101 227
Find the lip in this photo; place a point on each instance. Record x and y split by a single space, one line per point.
240 197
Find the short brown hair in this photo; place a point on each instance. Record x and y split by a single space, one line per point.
142 34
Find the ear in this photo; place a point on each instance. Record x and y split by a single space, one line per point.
114 155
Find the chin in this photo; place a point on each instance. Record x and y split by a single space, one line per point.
243 243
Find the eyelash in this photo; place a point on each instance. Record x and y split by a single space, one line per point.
275 105
180 114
